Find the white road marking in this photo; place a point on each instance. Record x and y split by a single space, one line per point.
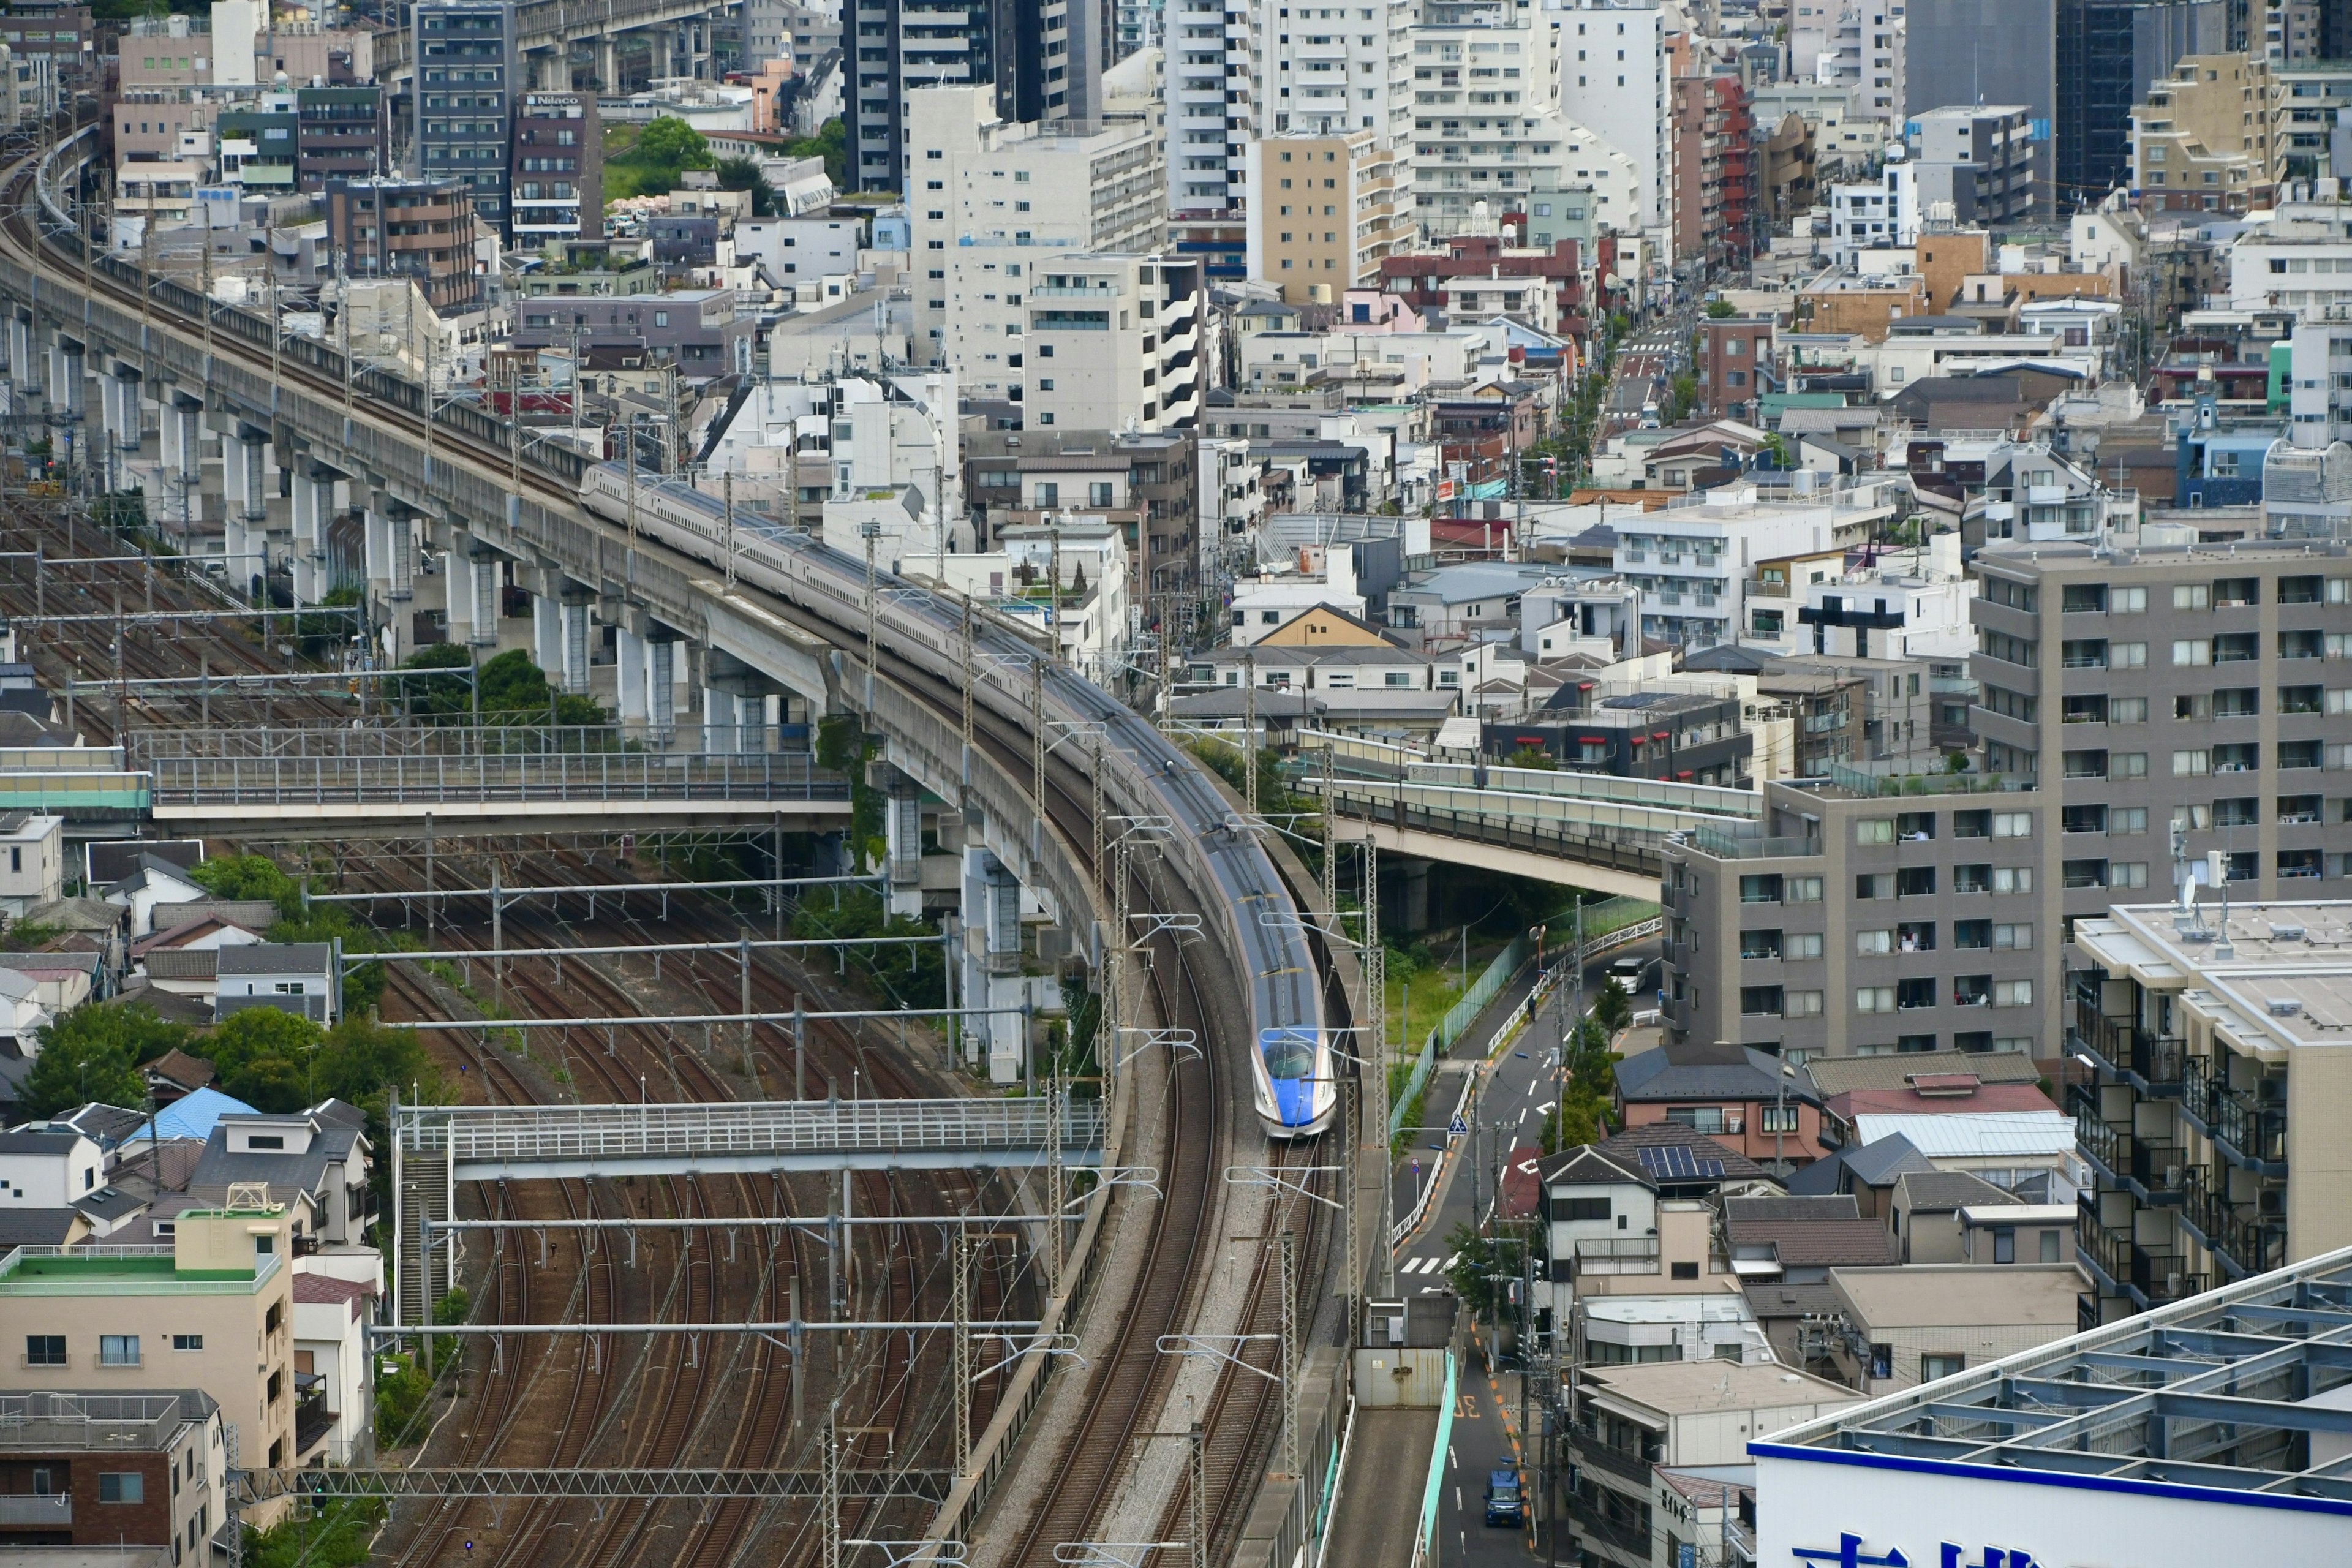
1453 1260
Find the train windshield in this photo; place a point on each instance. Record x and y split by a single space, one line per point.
1289 1053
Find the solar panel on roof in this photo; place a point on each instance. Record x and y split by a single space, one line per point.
1676 1162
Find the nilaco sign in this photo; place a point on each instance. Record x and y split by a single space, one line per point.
1826 1509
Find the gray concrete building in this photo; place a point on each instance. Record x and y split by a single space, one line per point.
467 68
1986 51
2123 694
702 330
1975 160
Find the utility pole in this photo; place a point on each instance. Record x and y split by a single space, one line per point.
961 1302
830 1459
1376 1098
1249 729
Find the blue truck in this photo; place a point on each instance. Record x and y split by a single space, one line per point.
1504 1503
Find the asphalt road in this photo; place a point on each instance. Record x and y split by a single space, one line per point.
1507 1115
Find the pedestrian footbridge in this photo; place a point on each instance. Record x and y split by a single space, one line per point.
249 783
520 1142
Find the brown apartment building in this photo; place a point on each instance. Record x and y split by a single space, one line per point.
420 229
1323 210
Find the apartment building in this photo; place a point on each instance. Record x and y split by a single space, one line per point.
1214 88
1693 561
1095 341
983 191
704 331
2301 262
2233 649
558 177
1034 59
341 134
422 230
2202 140
1333 70
213 1312
1323 212
1622 1421
1486 115
467 80
1615 79
1144 485
1853 922
1974 163
2213 1124
111 1472
1734 365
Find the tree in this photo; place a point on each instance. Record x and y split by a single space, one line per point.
1612 1009
248 878
516 691
671 143
438 694
743 175
264 1057
1532 756
1720 310
93 1052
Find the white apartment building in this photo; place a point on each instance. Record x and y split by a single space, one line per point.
1098 341
1212 90
1607 173
1337 68
2319 409
1613 77
1487 117
1876 215
981 182
2300 260
1692 562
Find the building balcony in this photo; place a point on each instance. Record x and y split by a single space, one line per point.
36 1513
1618 1254
2240 1238
1594 1528
2249 1131
1586 1447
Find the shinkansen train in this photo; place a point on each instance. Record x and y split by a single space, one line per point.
1288 1044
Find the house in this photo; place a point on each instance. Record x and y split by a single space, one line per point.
1799 1239
214 1313
151 882
322 1152
2030 1152
21 1014
61 979
175 1075
133 1477
194 1115
1867 1173
45 1166
32 860
1925 1209
334 1377
251 914
1752 1102
1896 1328
1622 1421
294 976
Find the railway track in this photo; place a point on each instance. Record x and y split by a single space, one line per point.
1200 1125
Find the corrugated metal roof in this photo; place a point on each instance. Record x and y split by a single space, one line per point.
1964 1134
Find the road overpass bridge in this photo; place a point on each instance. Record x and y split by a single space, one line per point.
1582 830
678 35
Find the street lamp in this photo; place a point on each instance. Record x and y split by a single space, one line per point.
1781 1118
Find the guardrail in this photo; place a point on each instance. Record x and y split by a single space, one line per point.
662 1129
1424 1544
269 782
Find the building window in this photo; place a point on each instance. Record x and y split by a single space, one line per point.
123 1486
118 1350
1932 1367
187 1341
45 1350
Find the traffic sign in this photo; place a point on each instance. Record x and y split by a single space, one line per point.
1457 1128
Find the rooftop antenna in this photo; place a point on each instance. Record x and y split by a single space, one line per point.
2184 917
2221 948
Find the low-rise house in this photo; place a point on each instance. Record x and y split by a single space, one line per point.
1924 1212
1898 1328
1624 1420
1635 1216
2030 1152
60 978
32 860
1800 1239
154 880
213 1312
322 1152
1752 1102
45 1166
334 1376
175 1075
1865 1173
293 976
139 1475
